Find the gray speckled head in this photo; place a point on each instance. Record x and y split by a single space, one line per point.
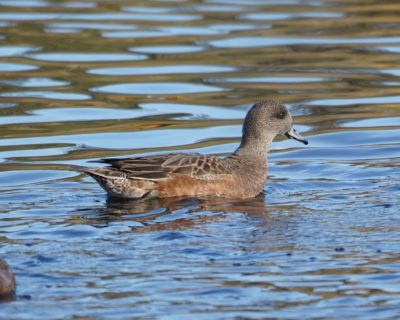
263 122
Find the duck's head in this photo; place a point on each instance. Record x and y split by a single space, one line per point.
264 121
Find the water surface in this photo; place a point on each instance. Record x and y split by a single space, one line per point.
83 80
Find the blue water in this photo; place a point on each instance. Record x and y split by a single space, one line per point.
87 80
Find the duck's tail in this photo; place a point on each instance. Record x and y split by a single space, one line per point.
117 184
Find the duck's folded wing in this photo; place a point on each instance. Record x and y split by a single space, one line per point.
163 166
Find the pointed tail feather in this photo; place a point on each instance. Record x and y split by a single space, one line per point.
118 185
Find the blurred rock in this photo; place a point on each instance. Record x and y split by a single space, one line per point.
7 282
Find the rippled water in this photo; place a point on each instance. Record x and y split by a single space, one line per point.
81 80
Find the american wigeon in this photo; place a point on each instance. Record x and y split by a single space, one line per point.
241 174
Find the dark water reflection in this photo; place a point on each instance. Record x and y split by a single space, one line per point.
91 79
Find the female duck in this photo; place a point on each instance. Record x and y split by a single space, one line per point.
241 174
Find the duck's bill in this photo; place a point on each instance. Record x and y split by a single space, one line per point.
293 134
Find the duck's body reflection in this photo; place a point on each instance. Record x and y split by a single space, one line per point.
254 205
170 213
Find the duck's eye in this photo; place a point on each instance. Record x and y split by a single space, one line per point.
280 114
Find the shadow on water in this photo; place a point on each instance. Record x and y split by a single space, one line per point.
171 213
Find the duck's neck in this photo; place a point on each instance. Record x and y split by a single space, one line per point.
255 147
